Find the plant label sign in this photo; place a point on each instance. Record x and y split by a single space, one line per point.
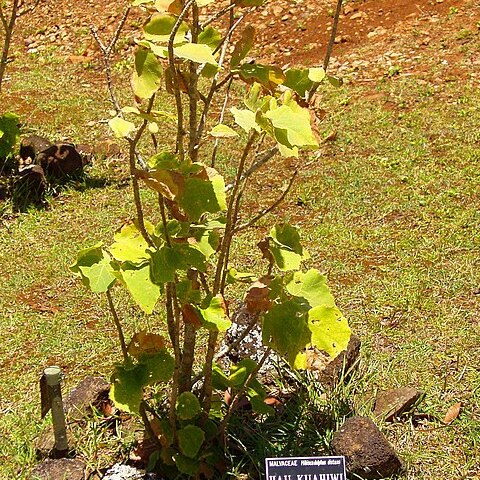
305 468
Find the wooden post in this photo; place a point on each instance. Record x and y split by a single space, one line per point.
53 376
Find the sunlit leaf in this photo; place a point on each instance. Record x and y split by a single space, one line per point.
286 248
144 292
171 6
312 287
292 126
94 268
223 131
215 315
196 52
129 245
243 46
121 128
147 75
160 26
316 74
187 406
330 330
245 119
190 440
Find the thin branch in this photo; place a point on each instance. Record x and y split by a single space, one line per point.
220 120
331 43
237 342
148 426
217 15
266 156
106 53
175 82
266 211
116 320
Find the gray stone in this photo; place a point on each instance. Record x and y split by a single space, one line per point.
392 403
125 472
90 391
367 452
59 469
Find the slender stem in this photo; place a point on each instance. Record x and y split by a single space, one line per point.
217 15
222 114
136 188
116 320
193 91
331 43
172 330
8 26
237 342
266 156
274 205
163 213
176 87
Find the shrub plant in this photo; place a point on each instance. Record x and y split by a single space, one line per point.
178 265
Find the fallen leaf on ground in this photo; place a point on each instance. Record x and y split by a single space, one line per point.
452 413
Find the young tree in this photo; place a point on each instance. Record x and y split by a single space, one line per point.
10 11
178 266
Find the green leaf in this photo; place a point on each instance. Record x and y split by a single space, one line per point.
160 26
158 367
215 315
127 387
219 379
223 131
187 294
129 245
203 193
245 119
298 80
190 440
185 465
292 126
147 76
268 76
285 329
330 330
243 46
312 287
187 406
121 128
207 242
163 265
336 82
139 284
210 36
94 268
286 248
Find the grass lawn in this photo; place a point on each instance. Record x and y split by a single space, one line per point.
389 210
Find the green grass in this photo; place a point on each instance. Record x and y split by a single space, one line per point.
389 210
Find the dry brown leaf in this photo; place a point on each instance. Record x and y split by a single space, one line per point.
190 315
144 343
452 413
257 297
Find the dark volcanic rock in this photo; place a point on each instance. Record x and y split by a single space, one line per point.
392 403
366 450
59 469
31 146
29 187
90 391
60 161
338 367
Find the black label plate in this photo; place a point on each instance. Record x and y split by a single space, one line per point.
305 468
